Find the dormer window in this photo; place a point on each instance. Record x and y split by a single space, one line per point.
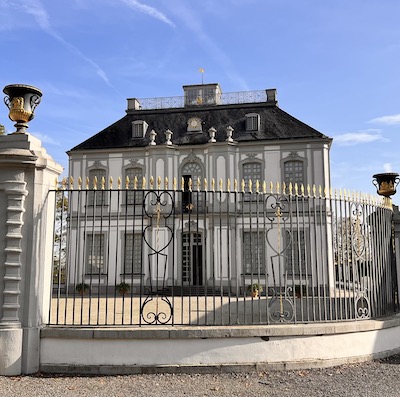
252 122
139 128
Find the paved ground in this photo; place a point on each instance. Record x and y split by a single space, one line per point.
377 378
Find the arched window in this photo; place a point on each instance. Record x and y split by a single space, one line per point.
191 171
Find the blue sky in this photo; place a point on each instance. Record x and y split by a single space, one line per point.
335 65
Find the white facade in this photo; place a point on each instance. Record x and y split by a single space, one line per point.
293 158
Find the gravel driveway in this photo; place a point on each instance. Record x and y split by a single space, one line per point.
377 378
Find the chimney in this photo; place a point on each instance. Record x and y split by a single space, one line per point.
133 104
271 95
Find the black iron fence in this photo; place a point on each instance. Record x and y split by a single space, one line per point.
216 256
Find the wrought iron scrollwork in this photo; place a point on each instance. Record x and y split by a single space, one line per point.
157 308
360 250
281 307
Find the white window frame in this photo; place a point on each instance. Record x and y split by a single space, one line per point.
247 176
132 254
134 196
139 129
252 122
95 250
194 170
98 194
254 252
293 157
298 264
294 174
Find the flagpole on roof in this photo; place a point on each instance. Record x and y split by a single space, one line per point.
201 70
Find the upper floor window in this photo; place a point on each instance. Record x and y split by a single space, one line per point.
293 171
97 196
134 196
252 122
191 172
139 128
251 171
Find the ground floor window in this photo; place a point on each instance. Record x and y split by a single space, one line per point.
298 264
253 252
133 253
95 249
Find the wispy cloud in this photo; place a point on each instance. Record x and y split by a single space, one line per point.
46 139
192 21
355 138
387 167
387 120
36 9
148 10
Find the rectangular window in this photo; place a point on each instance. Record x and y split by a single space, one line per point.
293 172
187 201
298 265
95 250
134 196
252 122
251 171
253 246
133 253
97 196
139 129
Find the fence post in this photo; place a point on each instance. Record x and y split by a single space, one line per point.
26 223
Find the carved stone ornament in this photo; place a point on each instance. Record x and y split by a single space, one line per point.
97 164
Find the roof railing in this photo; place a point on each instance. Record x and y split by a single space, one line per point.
229 98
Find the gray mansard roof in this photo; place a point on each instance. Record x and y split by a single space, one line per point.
275 124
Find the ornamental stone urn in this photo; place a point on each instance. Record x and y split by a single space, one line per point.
21 100
386 183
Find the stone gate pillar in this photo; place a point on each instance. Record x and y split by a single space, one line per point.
396 225
27 173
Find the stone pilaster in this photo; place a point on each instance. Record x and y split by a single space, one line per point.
15 193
